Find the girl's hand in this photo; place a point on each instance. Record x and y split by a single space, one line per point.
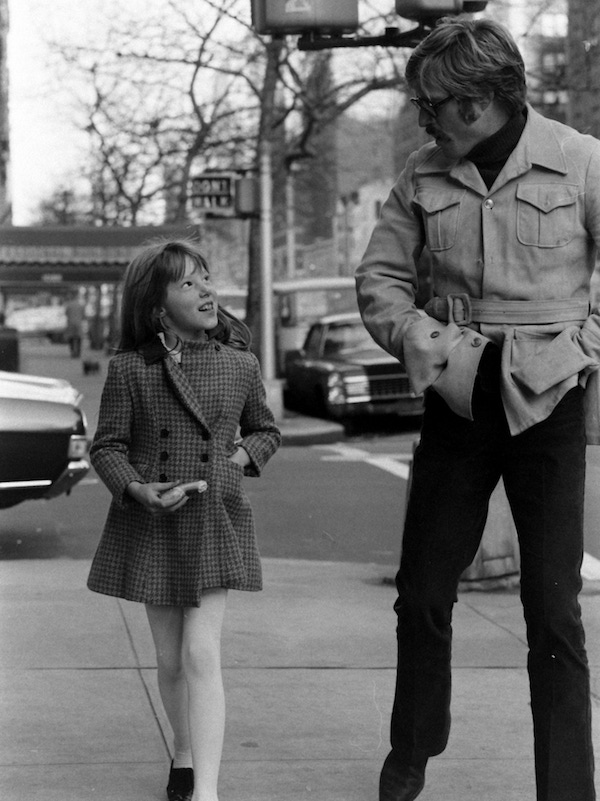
151 496
240 457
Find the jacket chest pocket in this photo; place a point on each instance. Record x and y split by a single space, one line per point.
546 214
441 215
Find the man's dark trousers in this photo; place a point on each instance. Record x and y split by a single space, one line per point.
456 467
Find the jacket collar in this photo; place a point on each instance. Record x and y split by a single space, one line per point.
538 145
154 350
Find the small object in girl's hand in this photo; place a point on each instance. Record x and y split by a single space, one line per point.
189 488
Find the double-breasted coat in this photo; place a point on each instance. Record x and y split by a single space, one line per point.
164 421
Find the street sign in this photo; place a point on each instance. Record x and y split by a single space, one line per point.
214 193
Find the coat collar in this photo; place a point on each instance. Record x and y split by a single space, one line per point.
154 350
538 145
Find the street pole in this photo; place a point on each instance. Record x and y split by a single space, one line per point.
273 386
290 228
266 263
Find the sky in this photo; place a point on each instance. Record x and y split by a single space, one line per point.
45 146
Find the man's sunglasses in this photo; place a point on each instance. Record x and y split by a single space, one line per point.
426 105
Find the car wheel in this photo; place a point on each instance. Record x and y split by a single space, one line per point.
321 405
351 427
288 401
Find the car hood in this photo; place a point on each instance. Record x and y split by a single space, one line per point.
370 357
17 386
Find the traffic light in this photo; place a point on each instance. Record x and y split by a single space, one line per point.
301 16
247 197
427 10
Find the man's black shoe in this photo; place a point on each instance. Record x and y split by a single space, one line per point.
401 781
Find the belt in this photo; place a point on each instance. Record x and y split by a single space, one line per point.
461 309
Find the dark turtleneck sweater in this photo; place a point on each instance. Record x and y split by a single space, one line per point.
491 155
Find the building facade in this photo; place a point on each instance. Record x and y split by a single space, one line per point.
583 65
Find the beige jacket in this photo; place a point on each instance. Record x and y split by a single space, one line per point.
532 237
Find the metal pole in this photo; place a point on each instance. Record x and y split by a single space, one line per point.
290 222
266 293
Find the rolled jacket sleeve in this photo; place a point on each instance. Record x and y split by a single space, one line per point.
434 353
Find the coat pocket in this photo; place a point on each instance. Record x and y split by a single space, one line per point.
441 215
541 360
546 214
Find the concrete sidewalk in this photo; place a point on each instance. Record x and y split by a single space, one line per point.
309 675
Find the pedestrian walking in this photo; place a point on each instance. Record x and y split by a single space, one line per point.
75 314
183 401
505 204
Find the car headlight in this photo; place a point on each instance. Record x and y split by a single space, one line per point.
78 446
344 387
335 389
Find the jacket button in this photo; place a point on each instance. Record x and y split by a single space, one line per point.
434 334
164 456
476 342
205 436
204 457
489 203
163 477
164 432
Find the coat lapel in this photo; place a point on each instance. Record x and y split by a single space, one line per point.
154 352
184 390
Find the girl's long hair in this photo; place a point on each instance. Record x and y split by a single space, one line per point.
146 280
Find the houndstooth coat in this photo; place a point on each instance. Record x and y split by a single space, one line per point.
164 421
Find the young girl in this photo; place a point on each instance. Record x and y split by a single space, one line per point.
181 384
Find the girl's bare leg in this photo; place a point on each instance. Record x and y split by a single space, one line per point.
166 625
202 665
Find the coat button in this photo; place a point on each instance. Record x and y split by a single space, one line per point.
164 432
434 334
476 342
205 436
489 203
204 457
164 456
163 477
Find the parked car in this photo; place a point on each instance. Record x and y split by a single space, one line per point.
341 372
43 440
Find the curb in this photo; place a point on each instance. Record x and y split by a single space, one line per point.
309 431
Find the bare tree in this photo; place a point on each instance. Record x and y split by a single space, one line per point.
186 89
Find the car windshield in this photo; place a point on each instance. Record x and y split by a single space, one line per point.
345 337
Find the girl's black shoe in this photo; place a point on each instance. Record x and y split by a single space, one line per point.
181 784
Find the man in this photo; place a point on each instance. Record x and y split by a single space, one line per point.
505 205
75 314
